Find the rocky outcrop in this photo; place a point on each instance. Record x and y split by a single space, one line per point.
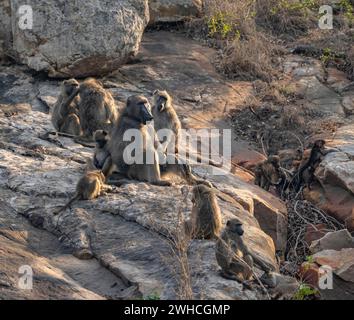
341 262
174 10
335 174
333 241
129 230
64 43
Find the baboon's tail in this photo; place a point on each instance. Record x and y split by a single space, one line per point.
67 205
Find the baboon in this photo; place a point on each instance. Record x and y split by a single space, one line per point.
65 117
165 117
233 256
205 222
137 115
89 187
307 170
102 159
268 173
97 109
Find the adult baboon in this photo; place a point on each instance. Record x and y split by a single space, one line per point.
65 117
135 119
234 257
268 173
97 109
205 222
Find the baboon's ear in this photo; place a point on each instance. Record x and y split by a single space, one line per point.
155 92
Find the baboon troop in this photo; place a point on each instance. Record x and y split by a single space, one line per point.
205 222
290 170
86 110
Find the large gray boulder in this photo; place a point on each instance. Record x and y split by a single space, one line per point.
79 38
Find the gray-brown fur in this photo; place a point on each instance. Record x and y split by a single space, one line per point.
90 186
136 115
102 159
205 220
233 256
268 173
65 115
165 117
97 108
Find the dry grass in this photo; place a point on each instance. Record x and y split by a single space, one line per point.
247 59
286 17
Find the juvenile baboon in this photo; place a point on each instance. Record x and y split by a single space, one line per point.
205 222
233 256
165 117
268 173
65 117
97 109
102 159
305 174
90 186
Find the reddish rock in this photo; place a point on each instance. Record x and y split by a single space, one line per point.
315 232
309 273
342 262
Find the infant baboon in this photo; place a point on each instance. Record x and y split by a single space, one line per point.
233 256
306 173
165 117
89 187
65 117
268 173
205 221
102 159
97 109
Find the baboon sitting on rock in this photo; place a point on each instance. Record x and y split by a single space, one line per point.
65 115
205 222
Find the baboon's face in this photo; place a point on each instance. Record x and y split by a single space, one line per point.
101 138
274 174
70 86
235 226
138 107
160 100
320 144
275 161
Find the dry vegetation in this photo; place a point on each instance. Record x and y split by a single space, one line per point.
251 34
